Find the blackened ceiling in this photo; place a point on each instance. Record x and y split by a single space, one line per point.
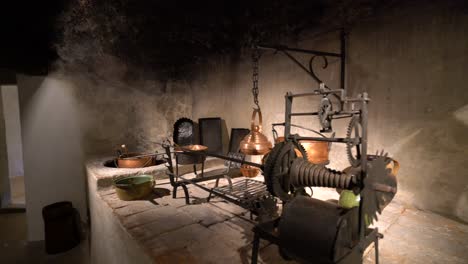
171 37
166 36
27 34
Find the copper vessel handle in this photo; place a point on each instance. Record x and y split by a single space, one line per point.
252 122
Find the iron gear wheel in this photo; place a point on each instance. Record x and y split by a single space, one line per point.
277 165
301 149
324 114
269 164
380 186
355 128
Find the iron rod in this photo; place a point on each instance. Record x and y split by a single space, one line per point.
234 159
347 100
298 126
333 115
298 63
376 246
277 124
287 118
348 112
304 114
337 140
343 59
285 48
363 163
305 94
143 156
342 116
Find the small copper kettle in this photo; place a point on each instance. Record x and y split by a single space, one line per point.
255 143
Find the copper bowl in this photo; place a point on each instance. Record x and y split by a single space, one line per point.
126 161
249 171
194 147
279 139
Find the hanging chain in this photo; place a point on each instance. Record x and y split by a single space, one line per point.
255 58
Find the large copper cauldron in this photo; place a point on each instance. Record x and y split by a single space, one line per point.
135 160
255 143
317 151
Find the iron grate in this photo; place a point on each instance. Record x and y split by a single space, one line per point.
245 191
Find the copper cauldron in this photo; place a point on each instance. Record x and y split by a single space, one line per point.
317 151
135 160
255 143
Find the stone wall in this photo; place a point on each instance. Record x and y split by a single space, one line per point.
412 61
138 114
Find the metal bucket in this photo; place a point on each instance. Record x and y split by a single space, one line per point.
61 226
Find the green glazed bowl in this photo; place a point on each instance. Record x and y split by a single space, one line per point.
134 187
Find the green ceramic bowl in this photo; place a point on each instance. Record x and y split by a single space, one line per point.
134 187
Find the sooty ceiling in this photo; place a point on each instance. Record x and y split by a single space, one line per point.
170 37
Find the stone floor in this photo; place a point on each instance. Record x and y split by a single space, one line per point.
13 226
220 232
14 248
421 237
22 252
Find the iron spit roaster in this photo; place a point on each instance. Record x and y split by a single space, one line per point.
311 230
315 231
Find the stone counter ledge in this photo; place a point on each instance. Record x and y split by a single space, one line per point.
118 228
102 176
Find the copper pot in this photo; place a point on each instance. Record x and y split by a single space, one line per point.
127 160
194 148
249 171
255 143
279 139
317 151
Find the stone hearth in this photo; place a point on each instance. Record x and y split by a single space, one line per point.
166 230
